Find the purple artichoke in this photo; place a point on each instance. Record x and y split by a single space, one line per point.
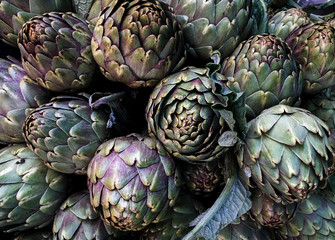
56 51
18 96
132 182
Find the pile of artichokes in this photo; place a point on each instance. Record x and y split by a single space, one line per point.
167 119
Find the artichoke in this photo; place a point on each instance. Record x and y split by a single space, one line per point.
133 182
264 68
196 117
67 131
30 192
313 47
56 51
323 106
14 13
203 179
286 21
138 42
268 213
286 153
176 225
18 96
77 220
314 219
210 25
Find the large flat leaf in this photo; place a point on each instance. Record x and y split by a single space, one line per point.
82 7
232 203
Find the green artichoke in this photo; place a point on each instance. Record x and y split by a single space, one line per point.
133 182
313 47
286 153
203 179
56 51
286 21
67 131
210 25
268 213
30 192
314 219
264 68
77 220
323 106
176 225
18 96
14 13
196 117
138 42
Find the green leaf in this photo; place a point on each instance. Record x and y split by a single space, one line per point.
232 203
82 7
260 17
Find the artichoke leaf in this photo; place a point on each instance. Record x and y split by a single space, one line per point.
259 17
82 7
232 203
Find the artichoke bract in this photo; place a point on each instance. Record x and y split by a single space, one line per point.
313 47
96 8
314 219
264 68
30 192
14 13
286 153
76 219
286 21
138 42
268 213
56 51
213 25
196 117
133 182
66 132
323 106
18 96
